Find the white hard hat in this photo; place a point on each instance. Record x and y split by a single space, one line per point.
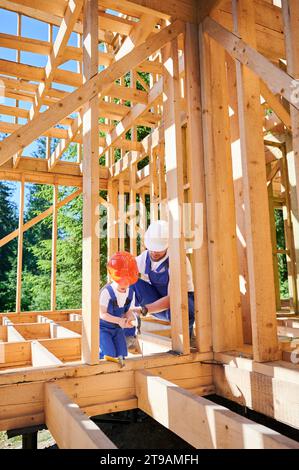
156 236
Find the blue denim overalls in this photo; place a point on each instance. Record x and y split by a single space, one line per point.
112 336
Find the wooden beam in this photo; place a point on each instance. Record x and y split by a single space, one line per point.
138 35
223 261
56 330
62 146
38 46
54 247
200 422
31 72
65 349
41 357
83 370
257 223
112 239
33 330
290 11
15 354
69 426
276 80
72 12
269 388
52 13
165 10
35 220
175 196
276 105
24 404
20 247
239 198
268 24
126 93
197 189
128 121
13 335
91 245
94 86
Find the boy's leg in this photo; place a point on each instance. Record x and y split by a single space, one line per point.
120 343
107 347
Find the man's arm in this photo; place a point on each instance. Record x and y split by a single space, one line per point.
155 307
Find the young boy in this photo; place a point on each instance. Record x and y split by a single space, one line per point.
116 299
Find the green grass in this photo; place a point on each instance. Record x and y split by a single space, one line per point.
44 439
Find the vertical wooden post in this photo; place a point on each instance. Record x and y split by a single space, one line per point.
197 189
142 217
18 52
20 247
133 170
112 239
154 210
91 252
239 199
121 212
133 239
54 248
258 234
223 262
274 244
175 193
290 9
48 139
79 70
291 239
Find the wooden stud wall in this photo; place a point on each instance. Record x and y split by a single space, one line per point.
203 105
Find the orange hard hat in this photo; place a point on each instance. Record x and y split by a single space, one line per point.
123 269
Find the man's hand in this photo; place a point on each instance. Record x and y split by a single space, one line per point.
133 310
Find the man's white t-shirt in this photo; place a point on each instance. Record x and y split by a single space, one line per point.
121 297
141 263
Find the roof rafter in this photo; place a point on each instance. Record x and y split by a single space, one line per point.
72 12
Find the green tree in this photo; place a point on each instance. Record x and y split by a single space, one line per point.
281 258
8 252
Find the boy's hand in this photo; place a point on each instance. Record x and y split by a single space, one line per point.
123 322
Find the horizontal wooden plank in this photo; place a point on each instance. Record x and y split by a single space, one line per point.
200 422
269 388
42 357
97 85
15 354
69 425
276 79
104 367
65 349
33 330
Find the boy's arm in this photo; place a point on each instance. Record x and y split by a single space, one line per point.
104 315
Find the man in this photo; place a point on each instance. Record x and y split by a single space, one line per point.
151 291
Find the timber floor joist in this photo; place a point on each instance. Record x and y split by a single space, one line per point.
213 81
163 386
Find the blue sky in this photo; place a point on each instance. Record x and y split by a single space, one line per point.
34 29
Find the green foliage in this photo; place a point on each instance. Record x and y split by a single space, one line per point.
281 258
8 223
